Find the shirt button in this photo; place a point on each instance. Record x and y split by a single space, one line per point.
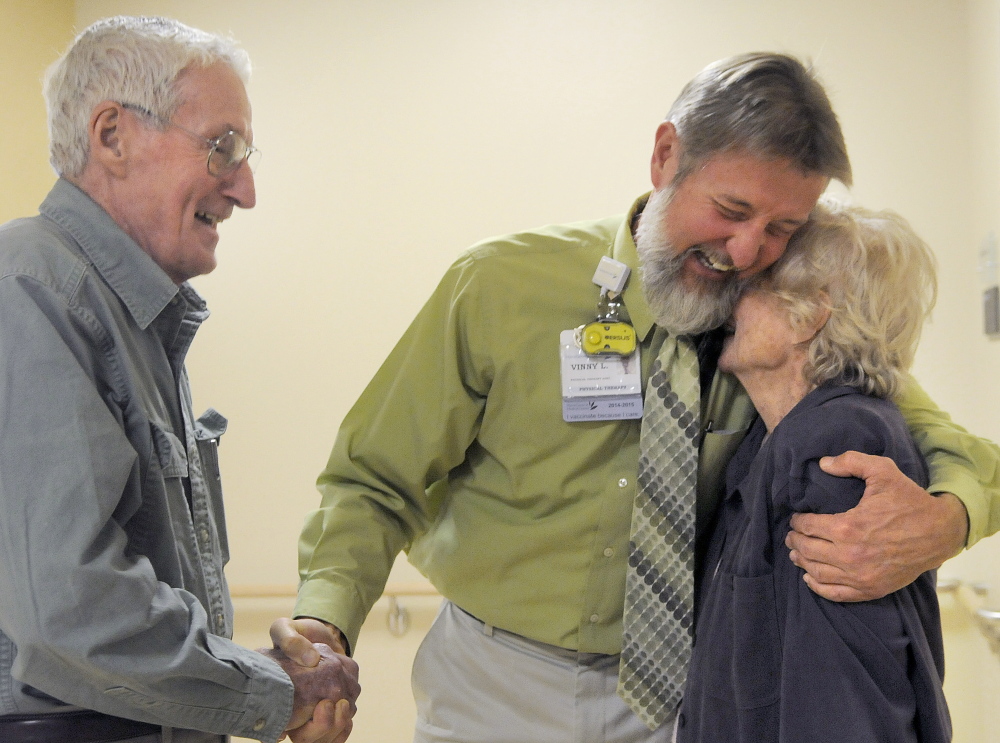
594 619
608 552
623 482
204 536
259 725
221 619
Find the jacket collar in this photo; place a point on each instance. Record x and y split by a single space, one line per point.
143 287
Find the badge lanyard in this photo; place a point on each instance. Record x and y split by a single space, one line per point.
600 360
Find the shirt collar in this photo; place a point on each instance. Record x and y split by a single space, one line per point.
624 250
143 287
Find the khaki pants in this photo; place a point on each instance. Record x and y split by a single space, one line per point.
476 684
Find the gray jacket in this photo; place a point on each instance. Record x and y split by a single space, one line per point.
112 534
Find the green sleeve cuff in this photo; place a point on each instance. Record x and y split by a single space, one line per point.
339 605
961 483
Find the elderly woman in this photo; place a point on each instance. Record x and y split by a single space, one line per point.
821 343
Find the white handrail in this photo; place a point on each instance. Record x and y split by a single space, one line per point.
265 591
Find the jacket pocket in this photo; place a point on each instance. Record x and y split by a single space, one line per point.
756 642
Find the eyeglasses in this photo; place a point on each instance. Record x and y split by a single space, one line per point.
225 153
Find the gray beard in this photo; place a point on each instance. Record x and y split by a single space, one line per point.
679 308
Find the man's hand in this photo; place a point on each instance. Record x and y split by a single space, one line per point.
295 638
896 532
325 694
330 723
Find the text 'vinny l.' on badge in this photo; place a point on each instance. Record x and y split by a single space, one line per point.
600 387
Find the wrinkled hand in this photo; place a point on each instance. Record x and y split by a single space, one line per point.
295 638
896 532
325 694
330 723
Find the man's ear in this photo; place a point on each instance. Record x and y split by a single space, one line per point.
666 155
108 138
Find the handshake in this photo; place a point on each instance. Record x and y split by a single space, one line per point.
314 655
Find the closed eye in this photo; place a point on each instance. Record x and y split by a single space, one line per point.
733 215
782 229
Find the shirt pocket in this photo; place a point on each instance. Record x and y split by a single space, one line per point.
171 454
756 642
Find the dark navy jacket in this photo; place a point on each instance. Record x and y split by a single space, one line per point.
772 660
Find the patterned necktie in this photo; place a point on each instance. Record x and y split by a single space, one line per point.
659 585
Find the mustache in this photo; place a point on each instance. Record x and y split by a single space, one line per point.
715 259
686 305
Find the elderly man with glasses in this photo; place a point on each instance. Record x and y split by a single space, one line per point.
115 618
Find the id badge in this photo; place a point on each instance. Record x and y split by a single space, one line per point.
600 387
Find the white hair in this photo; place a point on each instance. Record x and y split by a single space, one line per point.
127 59
878 280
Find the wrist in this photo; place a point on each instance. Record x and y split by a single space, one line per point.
339 644
954 523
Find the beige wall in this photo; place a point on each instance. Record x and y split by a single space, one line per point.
963 364
32 34
395 133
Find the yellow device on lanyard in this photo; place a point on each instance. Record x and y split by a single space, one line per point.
607 334
599 361
608 337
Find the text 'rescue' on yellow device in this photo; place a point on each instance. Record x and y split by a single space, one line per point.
608 337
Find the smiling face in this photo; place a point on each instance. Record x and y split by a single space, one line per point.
166 200
728 219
